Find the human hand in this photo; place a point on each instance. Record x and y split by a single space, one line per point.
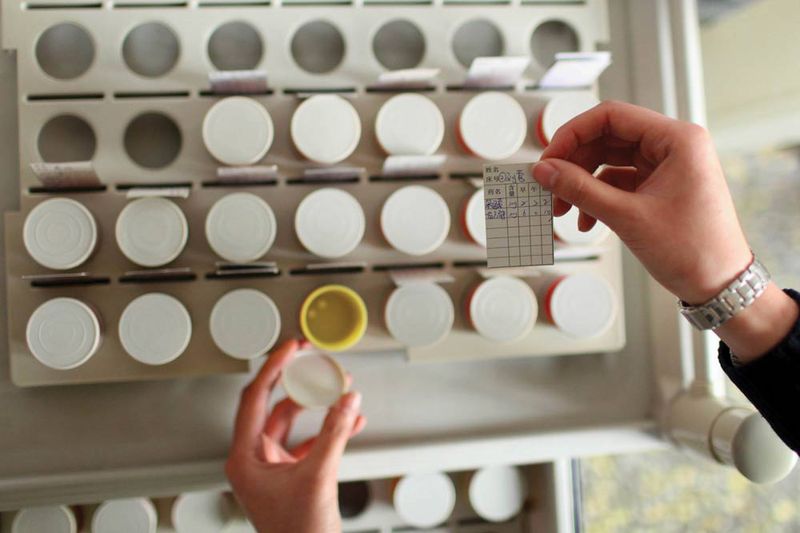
288 490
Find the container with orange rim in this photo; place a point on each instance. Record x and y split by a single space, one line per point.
473 218
582 305
333 317
560 110
492 126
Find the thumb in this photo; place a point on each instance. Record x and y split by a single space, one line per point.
336 431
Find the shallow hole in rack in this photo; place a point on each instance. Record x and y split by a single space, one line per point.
354 498
152 140
66 138
235 45
477 38
151 49
399 44
552 37
318 47
65 51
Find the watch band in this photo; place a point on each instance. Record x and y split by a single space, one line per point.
742 292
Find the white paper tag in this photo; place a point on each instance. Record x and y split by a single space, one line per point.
420 275
413 165
70 175
247 174
504 71
574 70
519 219
332 173
238 82
407 78
164 192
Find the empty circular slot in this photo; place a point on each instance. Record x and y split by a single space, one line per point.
66 138
152 140
65 51
399 44
477 38
151 49
354 497
318 47
552 37
235 46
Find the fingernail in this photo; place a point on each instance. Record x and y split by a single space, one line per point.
351 401
545 173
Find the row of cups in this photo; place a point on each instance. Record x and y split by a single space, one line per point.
326 128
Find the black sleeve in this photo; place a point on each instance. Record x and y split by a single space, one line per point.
772 382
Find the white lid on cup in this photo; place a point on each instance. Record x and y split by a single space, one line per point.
415 220
566 229
325 128
151 231
503 309
409 124
424 500
563 108
155 328
241 227
329 222
493 125
238 131
314 380
131 515
497 493
51 518
245 323
419 314
60 233
582 305
63 333
206 511
475 218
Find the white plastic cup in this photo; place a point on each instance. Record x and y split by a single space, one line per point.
206 511
473 218
329 223
238 131
50 519
409 124
419 314
60 233
565 229
497 493
63 333
129 515
560 110
415 220
582 305
241 227
245 323
492 126
155 328
502 309
325 128
314 380
151 232
424 500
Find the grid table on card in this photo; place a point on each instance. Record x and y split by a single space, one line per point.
519 221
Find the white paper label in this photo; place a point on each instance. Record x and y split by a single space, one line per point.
420 275
68 175
574 70
247 174
163 192
412 77
413 165
496 71
238 82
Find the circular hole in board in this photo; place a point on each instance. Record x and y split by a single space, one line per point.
399 44
354 498
65 51
477 38
318 47
151 49
66 138
552 37
235 46
153 140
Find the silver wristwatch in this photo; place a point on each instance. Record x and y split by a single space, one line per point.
739 294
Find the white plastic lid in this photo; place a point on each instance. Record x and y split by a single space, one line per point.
329 222
326 128
60 233
155 328
415 220
419 314
475 218
582 305
241 227
566 228
503 309
52 519
245 323
314 380
206 511
409 124
497 493
151 231
562 109
63 333
493 125
238 131
424 500
131 515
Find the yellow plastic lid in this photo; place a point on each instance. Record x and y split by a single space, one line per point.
333 317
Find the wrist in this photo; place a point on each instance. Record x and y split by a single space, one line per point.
710 277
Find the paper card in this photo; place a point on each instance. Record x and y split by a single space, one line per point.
519 220
408 276
413 165
238 82
504 71
407 78
69 175
163 192
247 174
574 70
